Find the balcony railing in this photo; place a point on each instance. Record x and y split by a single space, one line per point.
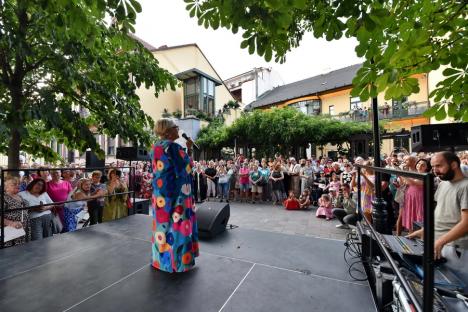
403 110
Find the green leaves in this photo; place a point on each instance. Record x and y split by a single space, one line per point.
71 59
279 129
402 38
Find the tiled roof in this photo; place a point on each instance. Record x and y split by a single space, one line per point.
333 80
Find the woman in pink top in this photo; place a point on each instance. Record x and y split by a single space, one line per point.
414 200
244 181
58 191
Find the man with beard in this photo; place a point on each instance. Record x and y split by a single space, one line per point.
451 214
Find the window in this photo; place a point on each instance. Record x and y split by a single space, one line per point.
199 94
401 142
110 146
314 107
309 107
399 109
331 110
191 91
400 102
208 96
355 103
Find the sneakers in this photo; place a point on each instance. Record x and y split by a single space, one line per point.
342 226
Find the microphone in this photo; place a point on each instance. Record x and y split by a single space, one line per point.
185 136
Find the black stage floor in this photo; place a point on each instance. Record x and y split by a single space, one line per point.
106 268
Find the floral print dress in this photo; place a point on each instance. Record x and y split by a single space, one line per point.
18 215
175 232
146 185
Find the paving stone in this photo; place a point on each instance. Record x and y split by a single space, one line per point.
265 216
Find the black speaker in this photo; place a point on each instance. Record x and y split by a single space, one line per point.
92 161
212 218
439 137
132 153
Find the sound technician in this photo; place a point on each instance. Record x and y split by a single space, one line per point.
451 214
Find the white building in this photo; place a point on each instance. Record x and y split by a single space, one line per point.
248 86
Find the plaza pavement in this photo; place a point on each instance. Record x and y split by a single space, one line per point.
266 217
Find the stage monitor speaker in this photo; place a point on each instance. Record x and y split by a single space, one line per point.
212 218
92 161
439 137
132 153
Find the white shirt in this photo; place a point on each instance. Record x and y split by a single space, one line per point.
464 169
36 200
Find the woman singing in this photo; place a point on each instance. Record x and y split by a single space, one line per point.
175 232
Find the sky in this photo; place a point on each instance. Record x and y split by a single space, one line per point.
166 22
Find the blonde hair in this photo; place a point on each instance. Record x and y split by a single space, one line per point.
79 185
12 180
162 125
96 173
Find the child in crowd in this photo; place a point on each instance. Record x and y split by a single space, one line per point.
334 198
304 199
325 208
335 182
291 203
322 181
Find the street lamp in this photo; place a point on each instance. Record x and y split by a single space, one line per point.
379 211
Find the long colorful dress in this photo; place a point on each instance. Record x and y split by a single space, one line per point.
175 231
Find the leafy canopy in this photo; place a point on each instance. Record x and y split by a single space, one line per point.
279 129
57 56
397 38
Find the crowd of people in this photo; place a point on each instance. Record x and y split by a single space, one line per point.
327 186
34 200
323 185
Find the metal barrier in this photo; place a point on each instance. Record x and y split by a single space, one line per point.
428 258
3 172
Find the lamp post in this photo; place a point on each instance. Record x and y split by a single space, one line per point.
379 211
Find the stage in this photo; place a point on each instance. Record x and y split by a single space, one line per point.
107 268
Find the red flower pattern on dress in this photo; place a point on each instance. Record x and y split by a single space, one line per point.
162 216
186 228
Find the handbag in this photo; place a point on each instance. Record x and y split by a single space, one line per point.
129 203
400 195
57 225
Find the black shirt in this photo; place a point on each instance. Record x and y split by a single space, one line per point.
211 172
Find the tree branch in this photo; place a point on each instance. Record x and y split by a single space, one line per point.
6 69
33 66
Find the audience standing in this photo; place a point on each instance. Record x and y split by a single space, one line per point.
41 216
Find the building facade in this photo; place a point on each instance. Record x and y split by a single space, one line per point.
248 86
330 94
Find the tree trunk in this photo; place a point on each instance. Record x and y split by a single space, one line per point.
15 135
14 150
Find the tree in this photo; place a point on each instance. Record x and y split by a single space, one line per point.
278 130
398 39
57 57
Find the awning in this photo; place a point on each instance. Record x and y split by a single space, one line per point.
194 72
